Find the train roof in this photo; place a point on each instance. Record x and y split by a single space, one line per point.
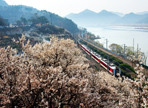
111 65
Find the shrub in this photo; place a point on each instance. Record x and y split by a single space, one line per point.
129 67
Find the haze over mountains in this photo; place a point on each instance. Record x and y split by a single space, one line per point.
85 18
88 18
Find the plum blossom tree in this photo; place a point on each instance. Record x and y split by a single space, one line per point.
46 74
53 74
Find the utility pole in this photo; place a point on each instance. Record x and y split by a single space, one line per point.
124 51
82 34
145 65
133 46
108 63
106 44
133 53
137 50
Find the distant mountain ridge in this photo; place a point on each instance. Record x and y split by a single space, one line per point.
144 21
86 13
14 12
118 13
130 18
142 13
90 18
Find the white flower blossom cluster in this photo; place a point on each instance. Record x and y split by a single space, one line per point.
54 75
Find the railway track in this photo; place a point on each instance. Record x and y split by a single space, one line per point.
119 57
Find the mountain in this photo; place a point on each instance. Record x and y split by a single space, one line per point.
143 21
3 3
14 12
90 18
106 17
105 13
118 13
130 18
85 13
142 13
83 17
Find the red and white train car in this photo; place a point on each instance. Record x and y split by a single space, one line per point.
103 62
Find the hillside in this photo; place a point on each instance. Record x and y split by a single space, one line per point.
88 18
3 3
3 22
15 12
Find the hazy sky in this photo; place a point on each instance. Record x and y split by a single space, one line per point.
64 7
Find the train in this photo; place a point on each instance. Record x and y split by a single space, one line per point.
109 66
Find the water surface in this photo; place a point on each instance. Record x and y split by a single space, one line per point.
122 35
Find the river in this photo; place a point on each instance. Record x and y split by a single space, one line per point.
122 35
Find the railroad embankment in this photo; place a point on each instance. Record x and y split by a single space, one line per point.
125 65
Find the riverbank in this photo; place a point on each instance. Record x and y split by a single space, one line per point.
135 26
142 28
